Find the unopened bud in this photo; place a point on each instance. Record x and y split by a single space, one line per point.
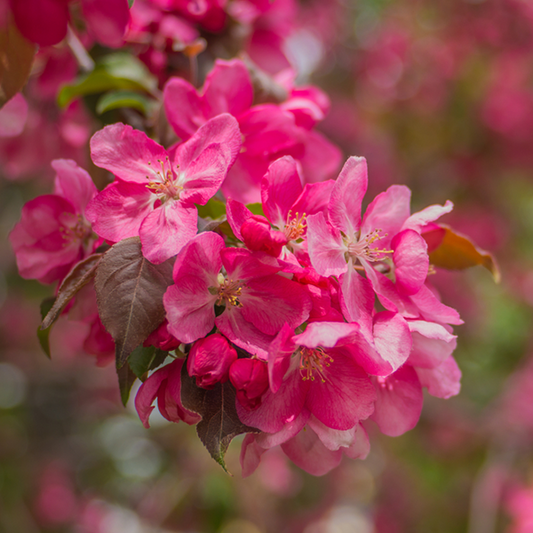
250 379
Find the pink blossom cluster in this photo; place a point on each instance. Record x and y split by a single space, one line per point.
319 315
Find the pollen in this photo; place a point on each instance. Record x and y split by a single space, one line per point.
314 364
364 249
229 292
295 226
163 182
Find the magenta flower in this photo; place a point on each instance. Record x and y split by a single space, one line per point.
210 359
165 385
286 204
256 300
156 190
53 233
45 21
315 373
250 379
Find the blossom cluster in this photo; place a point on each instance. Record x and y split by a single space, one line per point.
313 315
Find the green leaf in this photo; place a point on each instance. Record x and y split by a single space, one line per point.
126 379
116 72
16 58
213 209
118 99
143 359
220 422
130 3
256 209
44 334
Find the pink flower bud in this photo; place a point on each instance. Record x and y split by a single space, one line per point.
250 379
210 359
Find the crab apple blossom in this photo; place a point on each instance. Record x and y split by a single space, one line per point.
286 204
53 233
210 359
250 379
45 22
165 385
256 300
155 190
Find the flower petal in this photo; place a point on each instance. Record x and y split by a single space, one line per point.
326 249
411 261
107 20
73 183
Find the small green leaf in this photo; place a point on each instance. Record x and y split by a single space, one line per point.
126 379
44 334
130 3
256 209
116 72
118 99
213 209
143 359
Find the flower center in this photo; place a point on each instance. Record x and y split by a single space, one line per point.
163 183
363 248
74 228
313 362
295 226
229 291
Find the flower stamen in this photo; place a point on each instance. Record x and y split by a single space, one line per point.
314 361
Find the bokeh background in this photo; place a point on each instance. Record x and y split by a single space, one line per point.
437 95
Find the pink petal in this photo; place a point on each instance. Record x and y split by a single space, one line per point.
346 396
183 107
13 116
205 174
228 88
387 212
411 261
314 198
270 302
222 130
73 183
432 344
291 428
107 20
189 304
357 299
237 214
258 235
280 188
392 338
326 334
118 211
418 220
325 246
41 21
241 264
279 357
399 402
443 381
147 394
361 447
434 310
347 195
307 451
173 406
250 455
243 333
166 230
321 159
129 154
333 439
276 410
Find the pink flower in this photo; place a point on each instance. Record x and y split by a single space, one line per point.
256 300
53 233
314 373
156 190
165 385
250 379
286 204
210 359
45 21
